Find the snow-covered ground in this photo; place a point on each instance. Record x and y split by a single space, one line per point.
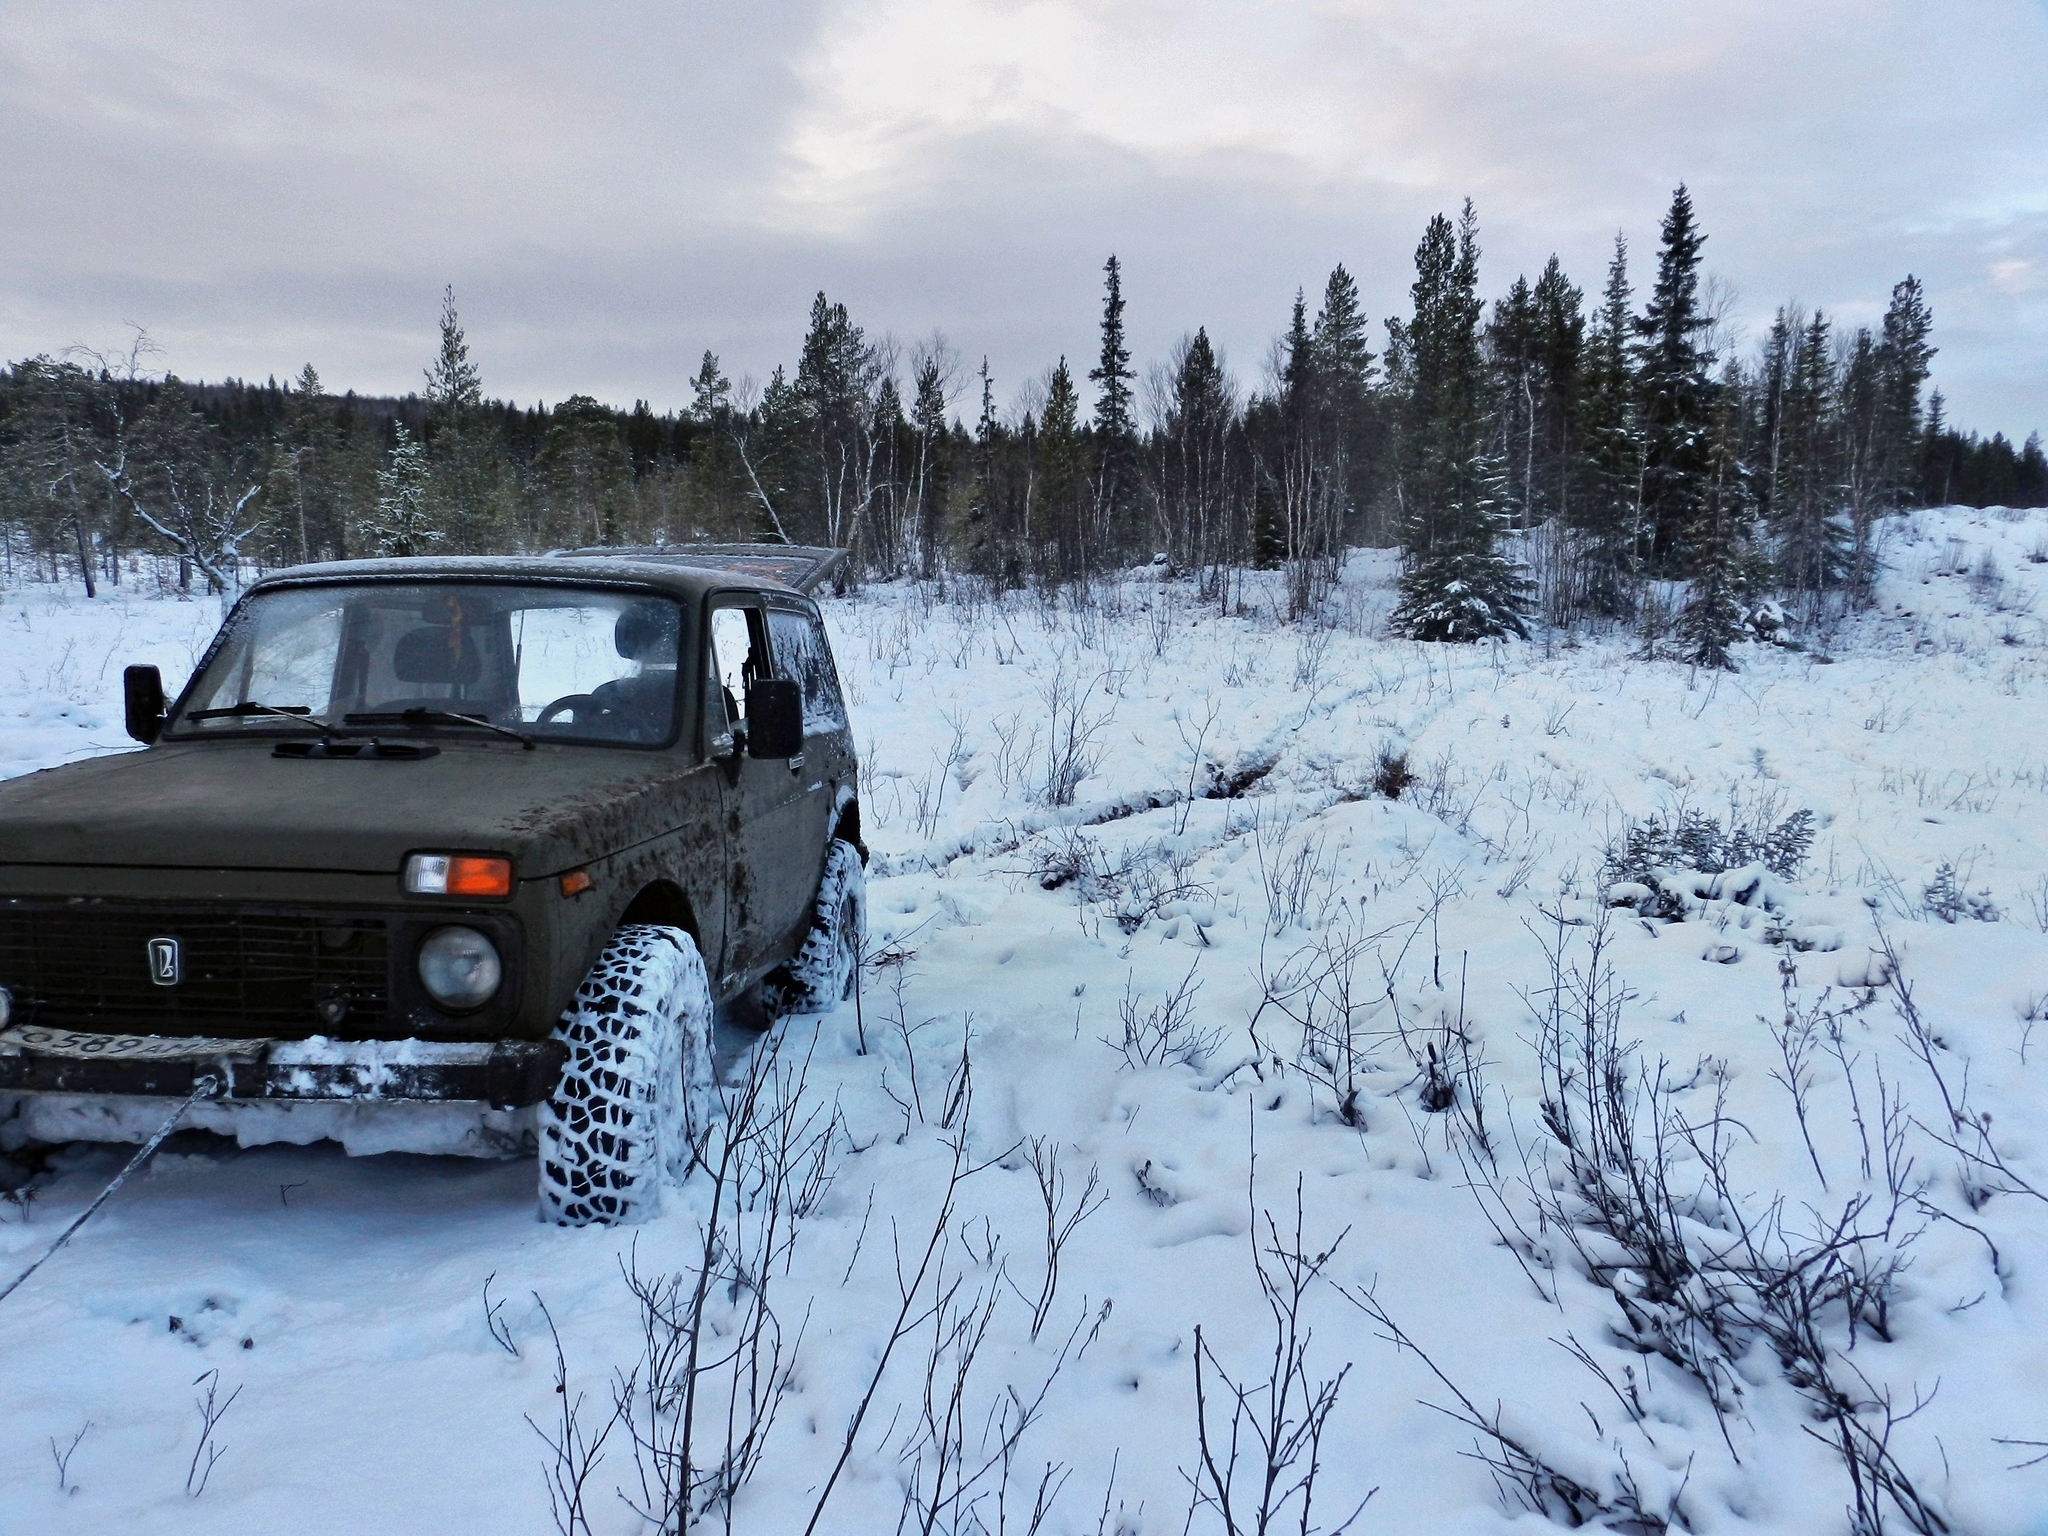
1226 884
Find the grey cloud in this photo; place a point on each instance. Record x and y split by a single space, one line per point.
608 190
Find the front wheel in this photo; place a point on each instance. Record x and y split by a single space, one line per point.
637 1090
820 975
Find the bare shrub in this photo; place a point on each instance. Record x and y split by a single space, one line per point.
1521 1473
1075 724
701 1402
574 1452
1062 1216
1297 876
1136 885
1700 1275
1260 1442
212 1409
1166 1034
1320 988
63 1458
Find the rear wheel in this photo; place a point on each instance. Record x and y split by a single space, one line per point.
637 1090
820 976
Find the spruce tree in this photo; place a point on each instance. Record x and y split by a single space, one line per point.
1606 508
403 524
1805 469
1343 356
1673 360
1712 619
1343 400
454 387
929 461
1192 478
461 464
1116 482
1061 477
1455 582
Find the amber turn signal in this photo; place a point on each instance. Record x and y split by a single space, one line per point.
576 882
457 874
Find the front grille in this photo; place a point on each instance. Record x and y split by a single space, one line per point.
244 971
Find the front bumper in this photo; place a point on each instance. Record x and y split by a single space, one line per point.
505 1074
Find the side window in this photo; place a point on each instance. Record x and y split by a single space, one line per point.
803 653
736 660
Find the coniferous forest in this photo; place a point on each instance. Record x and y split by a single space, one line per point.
1565 452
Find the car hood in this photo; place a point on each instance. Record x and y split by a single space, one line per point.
233 805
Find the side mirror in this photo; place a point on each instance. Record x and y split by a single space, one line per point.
775 718
142 692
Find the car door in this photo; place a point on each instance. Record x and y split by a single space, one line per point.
772 858
804 655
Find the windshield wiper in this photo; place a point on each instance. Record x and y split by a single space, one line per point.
297 714
419 715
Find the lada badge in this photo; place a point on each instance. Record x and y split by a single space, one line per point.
166 965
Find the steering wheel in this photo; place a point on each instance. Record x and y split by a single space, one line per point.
576 704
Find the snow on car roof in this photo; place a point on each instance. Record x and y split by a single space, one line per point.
794 565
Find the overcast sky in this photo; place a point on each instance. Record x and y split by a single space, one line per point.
614 188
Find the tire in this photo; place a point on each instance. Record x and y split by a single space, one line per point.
820 976
637 1090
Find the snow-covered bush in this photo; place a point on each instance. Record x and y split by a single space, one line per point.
1946 898
1693 840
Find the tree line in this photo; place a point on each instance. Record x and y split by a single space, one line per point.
1552 456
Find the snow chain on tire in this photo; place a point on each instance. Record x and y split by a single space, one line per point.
638 1090
820 976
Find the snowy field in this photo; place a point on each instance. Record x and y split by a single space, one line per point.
1776 1244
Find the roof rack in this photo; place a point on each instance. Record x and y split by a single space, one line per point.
794 565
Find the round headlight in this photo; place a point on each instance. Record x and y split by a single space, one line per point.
459 967
6 1006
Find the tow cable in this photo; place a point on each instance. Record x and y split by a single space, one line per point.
205 1087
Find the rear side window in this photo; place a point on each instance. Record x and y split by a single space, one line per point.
803 653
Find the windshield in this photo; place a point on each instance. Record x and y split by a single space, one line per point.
556 663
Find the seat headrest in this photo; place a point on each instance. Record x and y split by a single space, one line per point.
647 632
437 653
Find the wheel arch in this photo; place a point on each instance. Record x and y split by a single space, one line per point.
665 903
846 819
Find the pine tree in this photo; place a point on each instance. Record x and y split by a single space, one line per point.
403 525
1455 583
302 444
835 381
1606 510
1672 380
710 391
584 472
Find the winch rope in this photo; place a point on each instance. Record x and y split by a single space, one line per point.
204 1088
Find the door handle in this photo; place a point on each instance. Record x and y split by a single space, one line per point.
796 763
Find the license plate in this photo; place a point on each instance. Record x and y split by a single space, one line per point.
83 1045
